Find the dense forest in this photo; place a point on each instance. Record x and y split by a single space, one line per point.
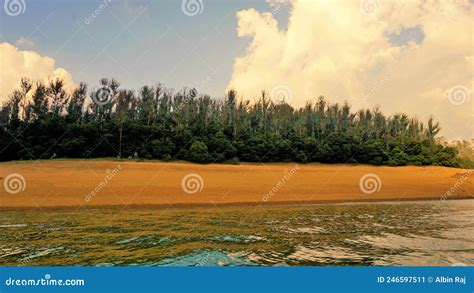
42 121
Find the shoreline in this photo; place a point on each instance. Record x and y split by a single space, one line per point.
108 184
225 163
186 206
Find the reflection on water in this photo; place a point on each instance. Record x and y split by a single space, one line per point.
407 233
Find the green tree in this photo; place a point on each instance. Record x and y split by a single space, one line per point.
198 152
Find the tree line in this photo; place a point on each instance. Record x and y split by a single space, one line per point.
41 121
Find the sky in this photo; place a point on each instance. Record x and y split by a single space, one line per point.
404 56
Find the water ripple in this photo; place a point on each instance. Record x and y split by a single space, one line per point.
401 233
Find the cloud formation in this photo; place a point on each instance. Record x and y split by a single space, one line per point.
16 63
343 50
24 42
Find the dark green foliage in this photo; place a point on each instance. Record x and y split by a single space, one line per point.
198 152
156 123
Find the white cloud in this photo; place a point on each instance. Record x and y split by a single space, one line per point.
333 48
16 63
24 42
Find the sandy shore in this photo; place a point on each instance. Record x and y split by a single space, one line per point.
108 183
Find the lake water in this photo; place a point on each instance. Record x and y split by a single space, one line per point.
405 233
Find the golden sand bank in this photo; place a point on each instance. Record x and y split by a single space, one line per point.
103 183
